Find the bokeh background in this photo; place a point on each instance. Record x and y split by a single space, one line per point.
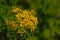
47 12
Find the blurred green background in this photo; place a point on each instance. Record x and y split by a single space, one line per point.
48 14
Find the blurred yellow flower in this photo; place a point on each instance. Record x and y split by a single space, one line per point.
32 12
30 23
32 28
16 10
14 25
35 20
26 19
19 19
6 22
21 31
25 12
17 15
22 24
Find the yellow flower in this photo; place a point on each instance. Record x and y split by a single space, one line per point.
19 19
26 16
16 10
32 28
17 15
25 12
28 26
6 22
21 31
30 23
31 17
32 12
26 20
35 20
14 25
22 24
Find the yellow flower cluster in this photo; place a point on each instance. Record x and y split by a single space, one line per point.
26 19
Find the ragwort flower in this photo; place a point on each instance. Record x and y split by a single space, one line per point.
26 19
